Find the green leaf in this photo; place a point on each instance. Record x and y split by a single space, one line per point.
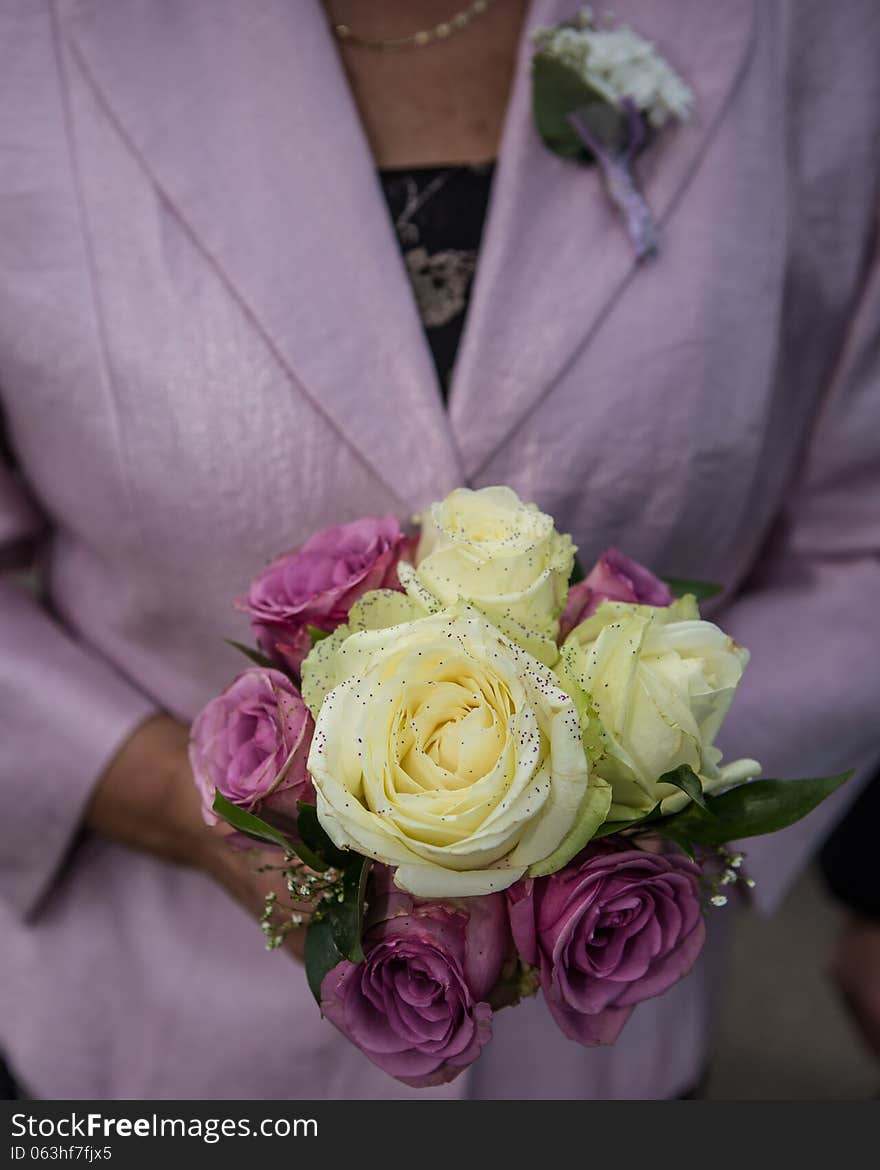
611 827
702 590
750 810
646 824
254 655
557 91
317 635
685 778
577 573
347 916
310 830
249 824
309 857
259 830
321 954
620 826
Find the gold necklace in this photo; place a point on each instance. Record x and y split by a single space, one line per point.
417 40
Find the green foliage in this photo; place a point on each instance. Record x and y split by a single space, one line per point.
749 810
557 92
321 955
685 778
611 827
250 825
335 931
701 590
310 831
347 915
254 655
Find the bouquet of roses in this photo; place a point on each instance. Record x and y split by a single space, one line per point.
484 777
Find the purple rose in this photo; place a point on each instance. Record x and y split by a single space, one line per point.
614 577
251 743
416 1005
614 927
318 583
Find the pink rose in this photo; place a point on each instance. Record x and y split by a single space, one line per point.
614 927
251 744
318 583
614 577
416 1006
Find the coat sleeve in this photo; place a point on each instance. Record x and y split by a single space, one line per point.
810 701
63 713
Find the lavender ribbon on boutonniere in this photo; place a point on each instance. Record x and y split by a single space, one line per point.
599 95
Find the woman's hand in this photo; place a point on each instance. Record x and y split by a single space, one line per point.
146 799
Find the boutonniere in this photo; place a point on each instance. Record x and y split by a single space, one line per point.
599 95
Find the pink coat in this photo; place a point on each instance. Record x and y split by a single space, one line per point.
208 348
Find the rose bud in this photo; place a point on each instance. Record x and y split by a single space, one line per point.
416 1006
318 583
251 744
614 927
614 577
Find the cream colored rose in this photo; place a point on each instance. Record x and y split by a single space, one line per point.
446 751
654 685
505 557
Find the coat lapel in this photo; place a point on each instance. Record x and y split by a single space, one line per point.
555 259
242 116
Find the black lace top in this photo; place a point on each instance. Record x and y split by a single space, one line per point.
439 215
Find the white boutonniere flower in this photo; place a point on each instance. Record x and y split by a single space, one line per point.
599 95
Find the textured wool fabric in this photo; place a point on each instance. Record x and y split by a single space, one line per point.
209 348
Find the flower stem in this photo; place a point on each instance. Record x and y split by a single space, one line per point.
620 181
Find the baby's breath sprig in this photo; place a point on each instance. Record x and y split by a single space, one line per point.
723 872
308 891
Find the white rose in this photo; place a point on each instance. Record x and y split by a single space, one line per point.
654 685
503 556
443 749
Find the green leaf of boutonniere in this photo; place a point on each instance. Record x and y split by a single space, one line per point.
557 92
601 93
